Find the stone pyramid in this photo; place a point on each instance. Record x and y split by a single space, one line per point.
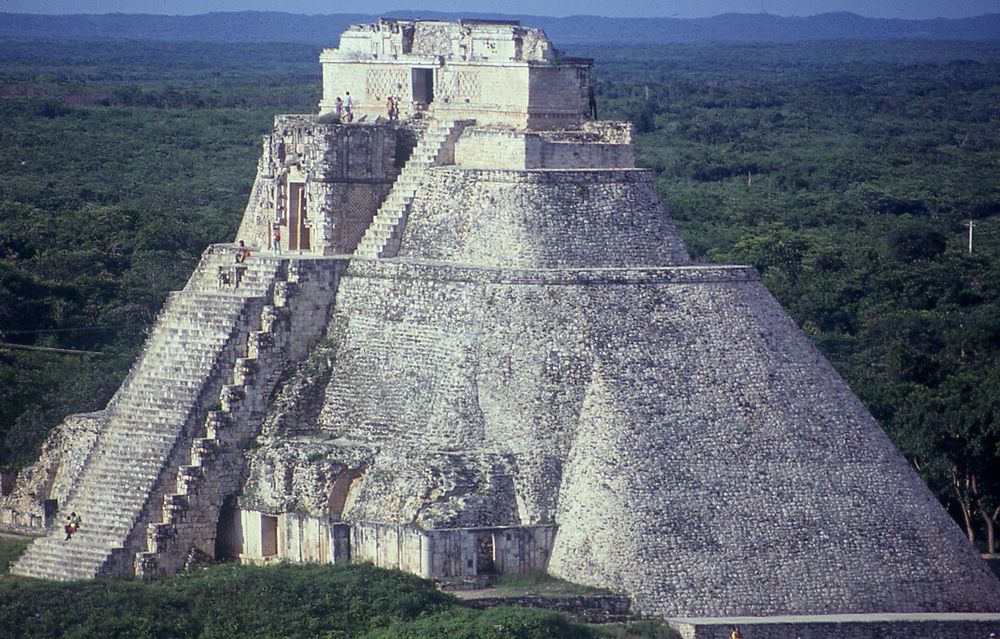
470 340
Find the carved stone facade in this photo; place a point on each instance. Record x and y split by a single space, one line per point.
319 185
493 72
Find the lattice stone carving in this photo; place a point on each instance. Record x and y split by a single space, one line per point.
459 85
382 83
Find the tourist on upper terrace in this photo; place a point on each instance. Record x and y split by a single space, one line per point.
242 253
592 102
348 106
338 107
276 240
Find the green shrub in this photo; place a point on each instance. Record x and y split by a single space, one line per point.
496 623
271 602
10 550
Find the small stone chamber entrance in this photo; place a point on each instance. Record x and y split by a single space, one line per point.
229 531
423 86
298 218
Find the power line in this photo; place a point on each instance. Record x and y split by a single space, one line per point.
67 330
45 349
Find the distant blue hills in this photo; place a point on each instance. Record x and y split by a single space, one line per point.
324 30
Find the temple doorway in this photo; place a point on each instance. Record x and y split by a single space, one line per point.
485 559
423 86
228 532
298 229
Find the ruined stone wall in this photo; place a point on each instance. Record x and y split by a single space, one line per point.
541 219
56 473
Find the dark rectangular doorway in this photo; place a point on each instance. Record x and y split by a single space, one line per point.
298 231
423 86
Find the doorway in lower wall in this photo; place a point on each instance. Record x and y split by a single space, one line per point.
229 531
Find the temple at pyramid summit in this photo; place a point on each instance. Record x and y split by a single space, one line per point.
468 341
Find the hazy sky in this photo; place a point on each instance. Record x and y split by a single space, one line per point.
916 9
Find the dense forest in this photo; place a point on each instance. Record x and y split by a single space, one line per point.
847 172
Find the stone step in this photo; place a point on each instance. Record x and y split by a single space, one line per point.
381 234
151 414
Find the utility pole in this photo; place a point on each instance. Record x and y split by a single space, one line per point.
971 226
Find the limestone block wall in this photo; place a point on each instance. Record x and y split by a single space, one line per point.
541 219
264 538
709 460
392 546
559 94
495 147
460 367
718 446
572 155
522 549
520 94
506 148
460 552
494 93
345 170
302 538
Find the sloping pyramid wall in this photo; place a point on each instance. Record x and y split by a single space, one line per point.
694 448
706 458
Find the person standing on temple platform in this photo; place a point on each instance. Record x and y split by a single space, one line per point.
592 102
276 238
242 253
348 107
72 525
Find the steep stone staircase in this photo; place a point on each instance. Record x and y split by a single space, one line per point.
290 323
197 338
383 236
